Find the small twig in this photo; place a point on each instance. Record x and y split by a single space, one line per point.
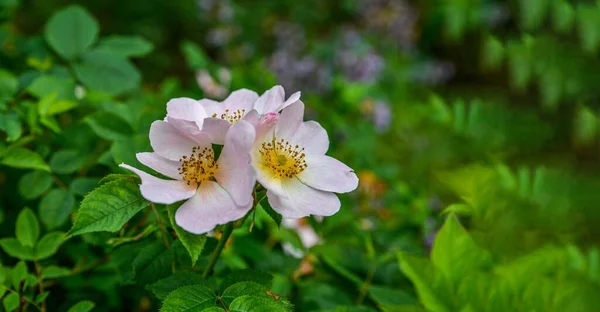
163 231
254 210
59 183
91 266
38 272
213 259
223 303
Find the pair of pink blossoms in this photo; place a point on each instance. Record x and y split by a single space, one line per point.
282 152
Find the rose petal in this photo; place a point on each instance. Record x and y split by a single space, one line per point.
160 164
211 107
267 180
235 171
209 207
270 101
216 129
162 191
186 109
290 120
284 206
242 99
304 200
313 137
328 174
291 100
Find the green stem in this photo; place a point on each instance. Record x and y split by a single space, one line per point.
213 260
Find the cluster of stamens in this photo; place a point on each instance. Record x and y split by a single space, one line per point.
198 167
284 159
231 117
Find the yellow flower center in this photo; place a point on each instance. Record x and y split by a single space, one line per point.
231 117
282 158
199 166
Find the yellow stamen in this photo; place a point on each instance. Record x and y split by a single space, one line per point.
231 117
199 166
282 158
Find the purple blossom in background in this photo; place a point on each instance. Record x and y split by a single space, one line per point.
294 70
357 60
382 116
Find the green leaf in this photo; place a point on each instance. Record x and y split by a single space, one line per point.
127 46
66 161
19 274
15 249
193 243
252 289
51 104
109 126
107 72
27 227
8 85
23 158
563 16
492 53
264 205
63 87
262 278
11 301
41 297
458 209
533 13
82 306
189 299
388 298
433 289
34 184
455 252
55 208
52 272
83 185
162 288
48 245
108 207
152 263
588 18
195 57
255 304
71 31
11 124
585 126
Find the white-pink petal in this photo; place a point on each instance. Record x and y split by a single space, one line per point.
162 191
290 120
304 200
328 174
169 142
284 206
313 137
160 164
270 101
210 206
216 129
186 109
291 100
235 171
266 179
211 107
242 99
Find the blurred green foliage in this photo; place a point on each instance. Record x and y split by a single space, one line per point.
473 127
